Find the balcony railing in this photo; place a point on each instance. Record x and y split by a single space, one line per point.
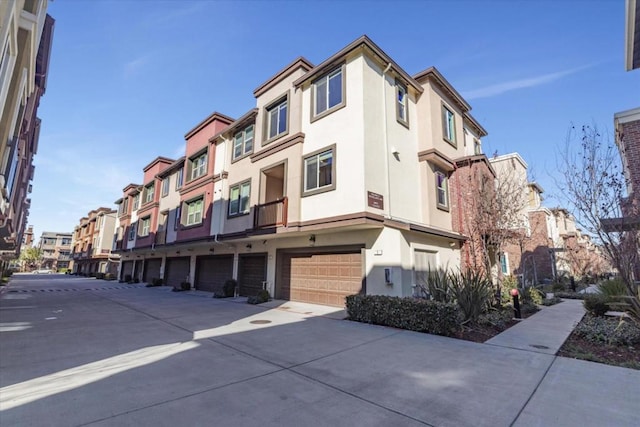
271 214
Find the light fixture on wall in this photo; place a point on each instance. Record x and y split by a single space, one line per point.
312 239
248 246
452 244
177 252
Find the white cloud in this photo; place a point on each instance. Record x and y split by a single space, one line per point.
500 88
136 65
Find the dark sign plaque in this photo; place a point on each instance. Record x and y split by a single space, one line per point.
375 200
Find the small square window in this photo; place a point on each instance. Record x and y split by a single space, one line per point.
442 191
277 120
198 166
319 172
239 199
194 212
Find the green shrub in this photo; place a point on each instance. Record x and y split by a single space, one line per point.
136 280
570 295
508 283
99 275
185 286
613 288
406 313
551 301
436 285
608 331
229 288
156 281
534 296
109 276
127 278
473 292
497 318
558 287
262 296
596 304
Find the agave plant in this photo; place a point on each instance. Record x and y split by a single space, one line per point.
473 293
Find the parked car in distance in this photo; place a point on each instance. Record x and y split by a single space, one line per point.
42 271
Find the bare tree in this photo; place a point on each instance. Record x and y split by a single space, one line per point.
593 187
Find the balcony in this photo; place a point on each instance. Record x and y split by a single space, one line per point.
271 214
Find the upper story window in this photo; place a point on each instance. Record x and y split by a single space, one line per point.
179 178
328 92
144 226
319 171
176 219
448 126
165 186
132 231
477 147
277 119
197 166
149 191
124 207
243 142
136 202
401 104
239 198
194 211
442 191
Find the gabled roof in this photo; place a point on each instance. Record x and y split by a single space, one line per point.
361 42
478 127
214 116
172 167
434 75
299 62
129 187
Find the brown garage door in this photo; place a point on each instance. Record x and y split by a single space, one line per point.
320 278
252 271
212 271
151 269
127 269
176 271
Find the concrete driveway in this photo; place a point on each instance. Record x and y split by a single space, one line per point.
80 351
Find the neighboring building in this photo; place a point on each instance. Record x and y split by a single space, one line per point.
26 33
632 35
55 249
92 243
336 183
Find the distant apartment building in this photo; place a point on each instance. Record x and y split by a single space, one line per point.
336 182
55 250
92 243
26 33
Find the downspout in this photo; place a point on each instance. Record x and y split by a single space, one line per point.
386 141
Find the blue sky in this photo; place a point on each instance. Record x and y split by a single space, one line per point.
129 78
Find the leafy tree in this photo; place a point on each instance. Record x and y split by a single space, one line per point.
31 257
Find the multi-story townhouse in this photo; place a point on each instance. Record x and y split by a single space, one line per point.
55 250
92 242
335 183
25 41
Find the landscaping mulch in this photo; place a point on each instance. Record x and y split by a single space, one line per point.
481 333
577 347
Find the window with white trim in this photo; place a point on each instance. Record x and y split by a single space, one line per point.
442 190
328 91
165 186
277 119
176 219
144 226
319 171
149 191
179 178
194 212
449 125
243 142
239 199
132 231
198 166
401 103
136 202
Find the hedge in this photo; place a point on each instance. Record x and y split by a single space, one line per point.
405 313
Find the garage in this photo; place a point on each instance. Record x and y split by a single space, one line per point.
252 272
151 269
176 271
325 277
127 270
212 271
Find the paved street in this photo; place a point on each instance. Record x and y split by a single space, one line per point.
78 351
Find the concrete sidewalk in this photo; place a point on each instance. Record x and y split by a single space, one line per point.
545 331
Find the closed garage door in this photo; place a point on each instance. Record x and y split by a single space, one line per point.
320 278
127 269
151 269
212 271
176 271
252 271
